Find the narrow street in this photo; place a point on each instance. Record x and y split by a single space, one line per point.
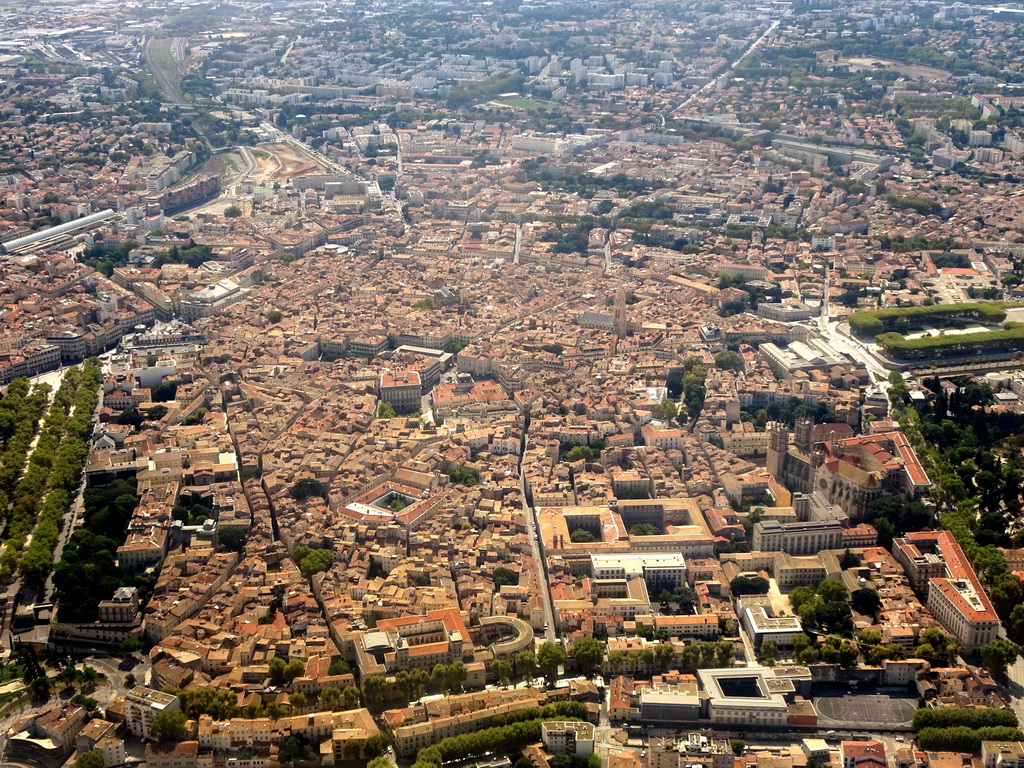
533 533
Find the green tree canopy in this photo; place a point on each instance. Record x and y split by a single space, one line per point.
728 360
504 576
998 655
579 452
168 725
644 529
91 759
549 657
307 487
587 654
749 585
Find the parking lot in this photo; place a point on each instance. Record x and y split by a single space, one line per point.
855 711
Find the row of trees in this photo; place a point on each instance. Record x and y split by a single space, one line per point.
20 411
903 319
524 665
963 739
26 497
502 739
42 495
413 684
65 474
969 718
831 650
105 260
666 655
923 205
954 344
223 705
559 710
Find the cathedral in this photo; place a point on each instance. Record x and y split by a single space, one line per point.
833 476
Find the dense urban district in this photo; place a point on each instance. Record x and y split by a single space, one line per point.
512 384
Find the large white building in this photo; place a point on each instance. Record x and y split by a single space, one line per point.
761 625
800 356
748 696
577 738
660 569
797 538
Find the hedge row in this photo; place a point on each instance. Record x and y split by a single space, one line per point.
955 344
874 322
562 710
503 740
969 718
964 739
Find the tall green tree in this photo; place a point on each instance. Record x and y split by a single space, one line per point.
998 655
168 725
550 656
587 654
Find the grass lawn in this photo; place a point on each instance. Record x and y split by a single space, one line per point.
11 672
10 700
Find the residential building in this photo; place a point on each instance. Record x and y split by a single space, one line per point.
402 390
141 704
862 754
955 596
574 737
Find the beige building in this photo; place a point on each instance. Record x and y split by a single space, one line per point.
184 754
761 624
798 538
1002 754
401 390
955 596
